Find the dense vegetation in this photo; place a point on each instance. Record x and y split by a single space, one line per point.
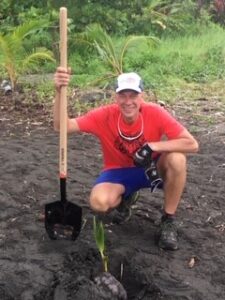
167 42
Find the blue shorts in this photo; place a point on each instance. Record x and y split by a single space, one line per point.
133 179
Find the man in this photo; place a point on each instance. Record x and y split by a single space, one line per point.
131 133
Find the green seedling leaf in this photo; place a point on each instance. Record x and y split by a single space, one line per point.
99 235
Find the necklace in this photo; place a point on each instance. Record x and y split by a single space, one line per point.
130 138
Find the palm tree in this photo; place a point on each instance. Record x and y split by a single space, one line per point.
14 58
113 57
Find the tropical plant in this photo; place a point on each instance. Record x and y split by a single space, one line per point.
99 236
14 57
111 56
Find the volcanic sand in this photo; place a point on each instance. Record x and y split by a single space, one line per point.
35 267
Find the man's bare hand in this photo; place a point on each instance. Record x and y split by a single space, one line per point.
61 77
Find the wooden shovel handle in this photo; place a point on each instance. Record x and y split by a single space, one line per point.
63 96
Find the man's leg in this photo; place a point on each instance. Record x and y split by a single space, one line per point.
172 167
118 188
106 196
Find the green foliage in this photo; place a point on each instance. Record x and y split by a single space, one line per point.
189 58
139 17
114 16
10 11
14 57
111 55
99 235
191 49
166 18
45 92
174 63
156 17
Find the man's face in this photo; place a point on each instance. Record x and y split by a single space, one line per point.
129 103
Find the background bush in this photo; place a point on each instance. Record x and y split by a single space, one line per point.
192 47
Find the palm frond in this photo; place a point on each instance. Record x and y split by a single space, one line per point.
9 54
96 37
34 59
106 43
107 57
134 40
157 4
28 28
101 78
13 57
3 47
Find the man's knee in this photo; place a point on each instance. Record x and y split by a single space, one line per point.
97 204
175 162
102 204
105 196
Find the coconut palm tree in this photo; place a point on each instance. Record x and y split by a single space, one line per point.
14 58
113 57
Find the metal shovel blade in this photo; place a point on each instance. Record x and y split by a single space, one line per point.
63 220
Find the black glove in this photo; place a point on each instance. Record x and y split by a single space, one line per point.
151 171
153 175
143 156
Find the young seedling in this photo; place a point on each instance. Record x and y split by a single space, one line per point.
99 235
106 281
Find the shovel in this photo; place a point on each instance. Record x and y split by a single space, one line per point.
62 218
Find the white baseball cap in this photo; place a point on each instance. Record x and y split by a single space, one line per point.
129 81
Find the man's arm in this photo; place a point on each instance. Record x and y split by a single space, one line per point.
62 78
184 143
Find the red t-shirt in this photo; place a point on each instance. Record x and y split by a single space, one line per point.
106 123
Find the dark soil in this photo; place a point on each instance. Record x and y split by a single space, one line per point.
33 267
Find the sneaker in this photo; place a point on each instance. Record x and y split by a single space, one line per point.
124 211
167 235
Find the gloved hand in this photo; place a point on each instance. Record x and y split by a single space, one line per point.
143 156
151 171
152 174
